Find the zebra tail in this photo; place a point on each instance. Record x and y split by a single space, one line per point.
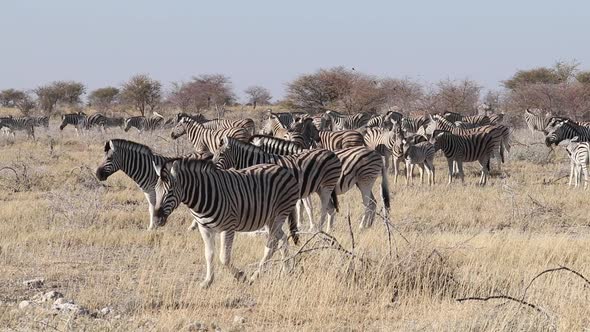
385 185
293 231
335 201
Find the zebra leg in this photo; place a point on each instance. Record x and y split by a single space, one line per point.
572 172
409 171
327 207
209 241
309 209
369 202
460 170
151 198
485 170
585 173
298 213
430 165
451 168
421 168
226 240
275 235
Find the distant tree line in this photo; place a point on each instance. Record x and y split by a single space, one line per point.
562 89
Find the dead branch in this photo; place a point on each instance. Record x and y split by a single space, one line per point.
350 228
561 268
504 297
11 169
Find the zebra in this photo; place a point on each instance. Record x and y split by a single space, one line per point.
386 120
275 145
421 154
412 124
17 124
136 161
360 166
286 118
346 122
536 122
40 121
564 130
198 117
113 122
78 120
274 127
316 171
579 153
328 139
229 201
388 144
480 120
141 123
477 146
204 139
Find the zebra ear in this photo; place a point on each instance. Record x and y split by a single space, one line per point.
575 139
109 146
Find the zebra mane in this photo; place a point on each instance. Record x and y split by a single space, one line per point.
132 146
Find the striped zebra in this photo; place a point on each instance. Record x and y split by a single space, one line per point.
15 124
421 154
204 139
77 120
316 171
286 118
141 123
136 160
480 120
496 119
566 130
458 149
385 120
198 117
40 121
387 143
579 153
412 124
535 120
360 168
275 145
328 139
339 121
274 127
229 201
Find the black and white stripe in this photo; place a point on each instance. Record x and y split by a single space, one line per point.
536 120
385 120
40 121
579 153
331 140
77 120
360 167
141 123
229 201
15 124
204 139
421 154
468 148
339 121
316 171
480 120
566 130
135 160
412 124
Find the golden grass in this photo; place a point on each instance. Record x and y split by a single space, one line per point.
89 241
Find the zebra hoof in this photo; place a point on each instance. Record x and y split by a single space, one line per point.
205 284
240 276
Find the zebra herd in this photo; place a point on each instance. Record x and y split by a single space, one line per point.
240 181
9 125
573 135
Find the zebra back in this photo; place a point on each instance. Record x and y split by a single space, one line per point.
204 139
566 130
275 145
347 122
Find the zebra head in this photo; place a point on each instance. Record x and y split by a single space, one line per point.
110 164
439 139
64 122
168 191
558 132
180 128
225 157
127 124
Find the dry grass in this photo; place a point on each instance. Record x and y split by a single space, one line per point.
88 240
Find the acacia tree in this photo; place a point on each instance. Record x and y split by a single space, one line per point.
202 92
404 94
258 95
103 98
66 92
142 92
459 96
17 99
335 88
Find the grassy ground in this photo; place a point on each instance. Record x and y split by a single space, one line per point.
88 240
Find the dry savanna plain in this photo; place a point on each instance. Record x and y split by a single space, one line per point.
452 258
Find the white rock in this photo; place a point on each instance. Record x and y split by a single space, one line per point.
53 295
34 283
24 305
239 320
105 311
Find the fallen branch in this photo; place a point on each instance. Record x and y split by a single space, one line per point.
561 268
504 297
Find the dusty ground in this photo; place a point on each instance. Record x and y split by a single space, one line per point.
88 240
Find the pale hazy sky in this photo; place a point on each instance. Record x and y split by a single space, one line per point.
269 43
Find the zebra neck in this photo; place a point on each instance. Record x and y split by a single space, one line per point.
139 167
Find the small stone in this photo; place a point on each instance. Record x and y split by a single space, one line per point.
105 311
51 296
197 327
34 283
68 306
239 320
24 305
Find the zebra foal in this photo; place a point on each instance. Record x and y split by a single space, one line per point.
579 153
229 201
421 154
